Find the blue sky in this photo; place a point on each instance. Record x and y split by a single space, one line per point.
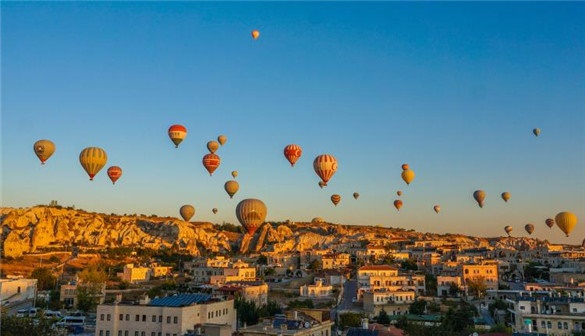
453 89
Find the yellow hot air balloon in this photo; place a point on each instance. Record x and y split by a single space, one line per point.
234 173
251 213
255 34
212 146
508 229
437 208
479 196
222 139
44 149
335 198
566 221
506 196
356 195
408 175
529 228
231 187
187 211
93 159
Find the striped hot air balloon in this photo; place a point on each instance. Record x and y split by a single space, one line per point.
335 199
177 133
293 153
251 213
211 162
93 159
325 166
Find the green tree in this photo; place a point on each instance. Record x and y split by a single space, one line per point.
459 319
247 311
351 319
502 328
307 303
45 278
417 307
477 286
431 284
89 289
409 265
15 326
454 289
433 307
383 317
262 260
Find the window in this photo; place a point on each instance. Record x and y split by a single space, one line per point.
143 333
143 318
560 325
565 325
101 317
107 333
127 318
175 320
126 333
101 333
549 324
136 333
119 332
153 319
108 317
153 333
160 319
168 319
121 317
542 324
137 318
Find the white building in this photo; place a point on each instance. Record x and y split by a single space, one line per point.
319 289
13 290
168 316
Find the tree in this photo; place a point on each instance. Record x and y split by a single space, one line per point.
350 320
454 289
431 284
383 317
15 326
89 289
409 265
262 260
459 319
477 285
418 307
45 278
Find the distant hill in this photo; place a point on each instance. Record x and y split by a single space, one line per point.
27 230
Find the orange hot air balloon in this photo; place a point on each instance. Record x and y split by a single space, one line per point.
335 198
322 184
211 162
251 213
549 222
44 149
407 175
187 211
479 196
292 153
398 204
177 133
222 139
114 173
231 187
437 208
325 166
93 159
506 196
508 229
529 228
356 195
399 193
214 210
255 34
405 166
566 221
212 146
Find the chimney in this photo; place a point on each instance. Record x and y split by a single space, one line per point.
365 323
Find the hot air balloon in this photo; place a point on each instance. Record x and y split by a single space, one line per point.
211 162
44 149
405 166
399 193
292 153
335 198
437 208
222 139
408 175
231 187
508 229
356 195
506 196
479 196
114 173
550 222
234 173
251 213
177 133
566 221
212 146
325 166
529 228
255 34
398 204
536 131
322 184
214 210
187 211
93 159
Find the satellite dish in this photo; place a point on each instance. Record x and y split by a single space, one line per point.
307 325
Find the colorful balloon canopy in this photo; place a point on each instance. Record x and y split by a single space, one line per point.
356 195
293 153
177 133
114 173
255 34
325 166
437 208
536 131
549 222
508 229
408 175
398 204
529 228
566 221
479 196
187 211
506 196
222 139
335 199
212 146
251 213
93 159
231 187
44 149
211 162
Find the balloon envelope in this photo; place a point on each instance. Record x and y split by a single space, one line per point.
356 195
251 213
408 175
566 221
335 198
222 139
479 196
234 173
114 173
506 196
293 153
214 210
536 131
255 34
231 187
177 133
44 149
549 222
187 211
211 162
399 193
325 166
398 204
529 228
93 159
437 208
212 146
508 229
405 166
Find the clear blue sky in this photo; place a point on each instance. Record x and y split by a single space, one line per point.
453 89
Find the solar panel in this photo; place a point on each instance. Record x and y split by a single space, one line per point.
180 300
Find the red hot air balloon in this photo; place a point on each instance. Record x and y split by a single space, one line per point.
177 133
292 153
325 166
114 173
211 162
398 204
405 166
